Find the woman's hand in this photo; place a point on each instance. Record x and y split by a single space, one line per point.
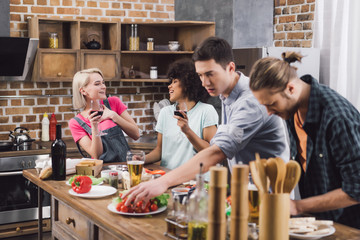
183 122
94 119
108 114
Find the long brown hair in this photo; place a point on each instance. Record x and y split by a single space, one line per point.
274 73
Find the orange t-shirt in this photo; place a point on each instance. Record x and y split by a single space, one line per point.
301 145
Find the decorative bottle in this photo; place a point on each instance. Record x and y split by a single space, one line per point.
198 210
45 128
53 123
58 156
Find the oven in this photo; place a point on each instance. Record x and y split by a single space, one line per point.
19 198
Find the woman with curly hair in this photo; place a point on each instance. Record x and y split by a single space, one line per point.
181 137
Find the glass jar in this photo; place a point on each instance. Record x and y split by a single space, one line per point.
153 72
53 40
134 41
150 44
114 179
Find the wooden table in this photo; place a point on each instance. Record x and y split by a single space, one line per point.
121 227
124 227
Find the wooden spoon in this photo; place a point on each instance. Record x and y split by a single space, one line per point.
271 172
261 170
292 176
256 178
281 171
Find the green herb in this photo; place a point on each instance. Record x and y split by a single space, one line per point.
162 199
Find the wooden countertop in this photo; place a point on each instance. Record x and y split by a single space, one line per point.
145 142
124 227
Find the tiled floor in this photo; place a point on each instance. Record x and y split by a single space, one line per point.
46 236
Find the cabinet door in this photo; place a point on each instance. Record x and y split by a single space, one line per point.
107 61
56 65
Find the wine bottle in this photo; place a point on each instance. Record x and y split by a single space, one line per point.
58 156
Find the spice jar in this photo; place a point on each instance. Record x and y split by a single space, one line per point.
114 179
134 39
153 72
53 40
150 44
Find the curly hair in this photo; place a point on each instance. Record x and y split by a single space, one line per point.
184 70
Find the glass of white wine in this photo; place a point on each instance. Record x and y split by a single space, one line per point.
97 107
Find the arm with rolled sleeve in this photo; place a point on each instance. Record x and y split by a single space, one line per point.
344 145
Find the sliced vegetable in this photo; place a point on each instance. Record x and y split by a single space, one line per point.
81 184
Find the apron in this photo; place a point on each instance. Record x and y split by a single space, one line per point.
114 143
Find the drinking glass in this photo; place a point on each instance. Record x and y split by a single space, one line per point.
135 161
180 107
96 106
254 202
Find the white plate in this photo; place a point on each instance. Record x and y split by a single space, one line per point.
308 236
95 192
67 183
112 208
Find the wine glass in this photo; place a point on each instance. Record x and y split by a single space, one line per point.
97 107
180 108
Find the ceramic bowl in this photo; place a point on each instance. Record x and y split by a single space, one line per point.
173 45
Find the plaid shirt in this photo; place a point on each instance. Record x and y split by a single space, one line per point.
333 150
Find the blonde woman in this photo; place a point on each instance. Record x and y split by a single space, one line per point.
89 86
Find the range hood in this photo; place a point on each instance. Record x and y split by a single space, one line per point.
17 58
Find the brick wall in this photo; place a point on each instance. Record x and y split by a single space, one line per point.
56 97
293 23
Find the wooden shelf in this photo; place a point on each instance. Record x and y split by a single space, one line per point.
156 52
144 80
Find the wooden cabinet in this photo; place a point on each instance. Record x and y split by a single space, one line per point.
72 54
114 57
68 224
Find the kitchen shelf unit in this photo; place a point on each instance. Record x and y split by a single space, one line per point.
55 65
114 58
188 33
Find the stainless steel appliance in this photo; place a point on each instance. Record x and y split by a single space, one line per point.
19 197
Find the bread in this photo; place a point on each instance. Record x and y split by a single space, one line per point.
87 163
45 173
309 226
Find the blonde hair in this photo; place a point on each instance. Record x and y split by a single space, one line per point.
81 79
274 73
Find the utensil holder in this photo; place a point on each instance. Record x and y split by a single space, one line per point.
274 216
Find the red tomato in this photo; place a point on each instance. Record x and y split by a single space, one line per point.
139 204
138 210
124 208
146 210
118 206
153 207
130 209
